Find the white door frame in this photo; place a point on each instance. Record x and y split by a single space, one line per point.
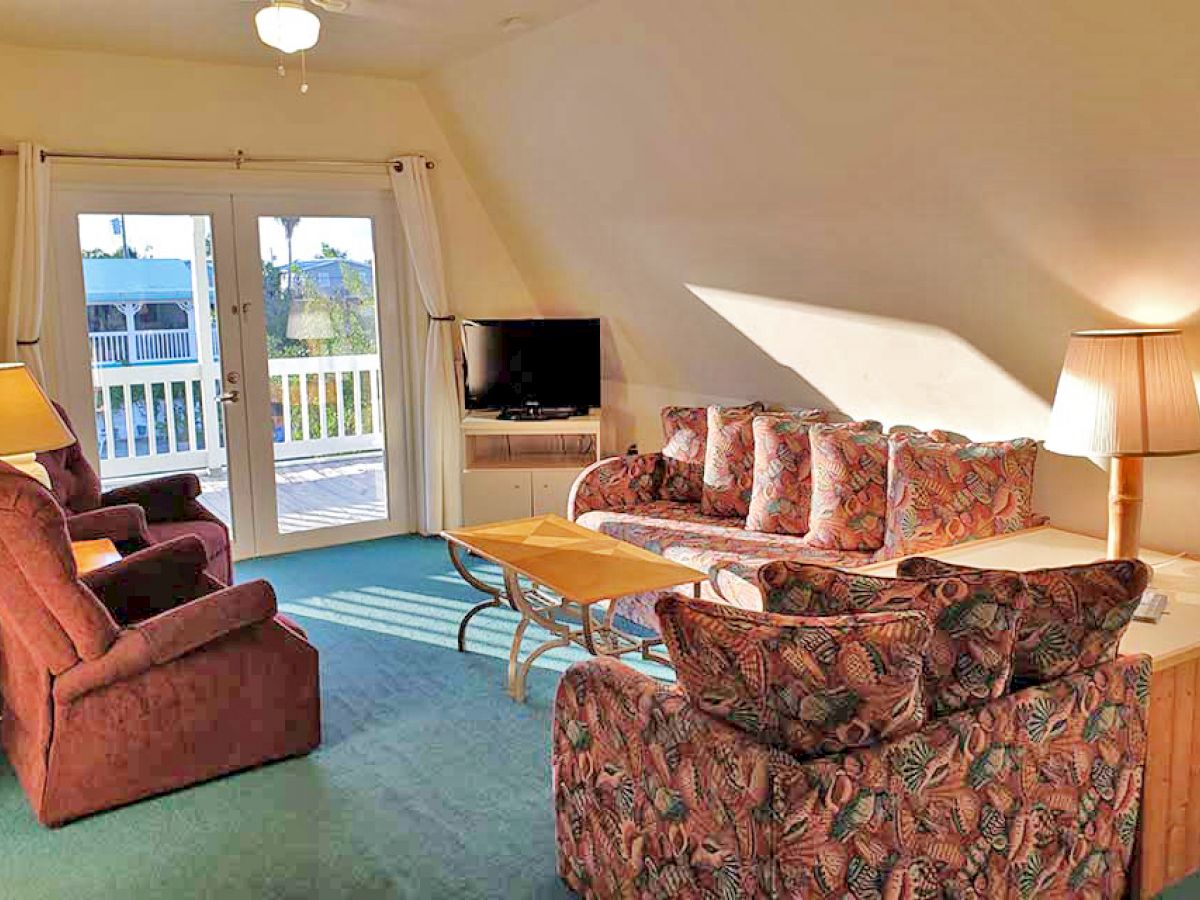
379 207
67 204
242 328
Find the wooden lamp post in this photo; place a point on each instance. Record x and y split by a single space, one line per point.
1125 394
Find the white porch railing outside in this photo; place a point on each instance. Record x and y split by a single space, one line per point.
151 346
329 405
164 345
109 347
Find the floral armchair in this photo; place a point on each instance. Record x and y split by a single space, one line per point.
1034 794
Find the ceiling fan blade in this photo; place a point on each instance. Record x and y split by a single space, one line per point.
333 6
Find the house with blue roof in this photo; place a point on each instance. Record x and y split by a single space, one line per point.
140 311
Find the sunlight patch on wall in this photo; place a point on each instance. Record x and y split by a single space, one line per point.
884 368
1150 301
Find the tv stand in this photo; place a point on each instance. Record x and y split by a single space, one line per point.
513 468
534 413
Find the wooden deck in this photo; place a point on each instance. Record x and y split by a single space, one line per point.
318 493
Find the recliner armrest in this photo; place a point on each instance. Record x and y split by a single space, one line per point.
124 525
165 499
168 636
153 580
201 621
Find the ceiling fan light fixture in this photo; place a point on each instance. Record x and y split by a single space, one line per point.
287 26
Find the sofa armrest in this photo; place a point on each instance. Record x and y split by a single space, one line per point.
168 498
636 788
615 483
153 580
169 636
124 525
1035 788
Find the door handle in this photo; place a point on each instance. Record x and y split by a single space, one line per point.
229 397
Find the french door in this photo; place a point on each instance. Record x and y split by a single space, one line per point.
253 339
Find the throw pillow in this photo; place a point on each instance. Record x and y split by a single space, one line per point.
974 617
943 493
808 686
781 495
729 460
685 436
1074 617
935 434
849 485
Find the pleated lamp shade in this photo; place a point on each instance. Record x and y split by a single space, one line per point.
28 423
1125 392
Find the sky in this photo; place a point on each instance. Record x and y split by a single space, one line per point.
170 236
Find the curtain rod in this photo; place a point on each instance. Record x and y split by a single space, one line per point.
238 159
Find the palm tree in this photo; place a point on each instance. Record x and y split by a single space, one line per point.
289 224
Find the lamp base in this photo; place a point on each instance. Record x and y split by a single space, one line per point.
1125 507
27 463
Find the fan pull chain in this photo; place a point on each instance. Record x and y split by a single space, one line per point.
303 72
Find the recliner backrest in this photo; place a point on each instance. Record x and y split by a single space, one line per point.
74 482
41 596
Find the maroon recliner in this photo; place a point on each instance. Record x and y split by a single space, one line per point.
137 515
139 677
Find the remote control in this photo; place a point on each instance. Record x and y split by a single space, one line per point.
1153 604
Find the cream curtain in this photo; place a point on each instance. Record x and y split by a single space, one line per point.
440 502
21 323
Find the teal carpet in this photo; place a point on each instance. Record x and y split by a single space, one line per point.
430 782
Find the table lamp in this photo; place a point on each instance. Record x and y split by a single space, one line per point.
28 423
1125 394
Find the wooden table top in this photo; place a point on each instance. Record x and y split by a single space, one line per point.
91 555
577 563
1173 639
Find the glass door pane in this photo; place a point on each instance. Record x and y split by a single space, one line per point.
151 306
323 366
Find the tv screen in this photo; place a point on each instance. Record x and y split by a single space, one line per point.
518 362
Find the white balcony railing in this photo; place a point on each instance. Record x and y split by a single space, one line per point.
151 346
109 347
175 344
151 418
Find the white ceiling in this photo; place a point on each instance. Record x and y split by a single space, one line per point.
400 38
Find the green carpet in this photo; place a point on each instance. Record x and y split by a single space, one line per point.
430 781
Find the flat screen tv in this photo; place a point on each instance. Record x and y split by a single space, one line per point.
526 364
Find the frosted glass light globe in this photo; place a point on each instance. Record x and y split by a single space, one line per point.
287 26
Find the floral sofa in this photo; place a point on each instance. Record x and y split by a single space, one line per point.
630 498
990 768
1032 795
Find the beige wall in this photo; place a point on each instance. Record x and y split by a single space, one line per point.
901 209
71 100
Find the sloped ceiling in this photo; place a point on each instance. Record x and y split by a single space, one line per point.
940 189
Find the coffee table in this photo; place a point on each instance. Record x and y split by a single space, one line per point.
570 569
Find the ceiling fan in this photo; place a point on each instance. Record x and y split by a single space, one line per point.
289 26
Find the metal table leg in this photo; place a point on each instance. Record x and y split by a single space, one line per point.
519 671
497 596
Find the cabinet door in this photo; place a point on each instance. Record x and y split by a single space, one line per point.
551 487
495 495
